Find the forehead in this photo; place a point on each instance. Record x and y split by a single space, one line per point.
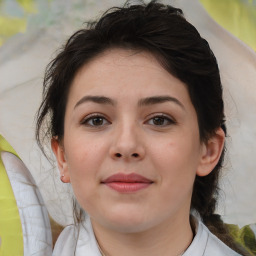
116 70
120 63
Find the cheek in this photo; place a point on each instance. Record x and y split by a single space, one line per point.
177 162
83 166
85 157
84 151
177 179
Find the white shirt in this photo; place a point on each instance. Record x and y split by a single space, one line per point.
203 244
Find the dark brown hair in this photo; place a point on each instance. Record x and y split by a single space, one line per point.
164 32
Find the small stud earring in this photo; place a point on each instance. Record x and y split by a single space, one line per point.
61 178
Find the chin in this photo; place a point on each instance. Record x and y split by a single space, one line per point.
127 222
129 228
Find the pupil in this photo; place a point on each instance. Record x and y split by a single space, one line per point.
158 121
97 121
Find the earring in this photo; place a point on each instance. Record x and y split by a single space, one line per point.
61 178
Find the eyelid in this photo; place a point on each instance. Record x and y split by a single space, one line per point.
93 115
171 119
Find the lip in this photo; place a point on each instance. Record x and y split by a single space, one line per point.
127 183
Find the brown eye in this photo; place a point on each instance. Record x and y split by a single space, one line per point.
95 121
160 121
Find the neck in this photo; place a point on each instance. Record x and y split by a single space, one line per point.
168 239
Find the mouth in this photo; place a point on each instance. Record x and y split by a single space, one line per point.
127 183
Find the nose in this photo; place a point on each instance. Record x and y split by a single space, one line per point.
127 144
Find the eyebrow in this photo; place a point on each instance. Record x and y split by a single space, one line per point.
160 99
142 102
96 99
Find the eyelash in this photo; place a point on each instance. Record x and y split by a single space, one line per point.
92 117
166 119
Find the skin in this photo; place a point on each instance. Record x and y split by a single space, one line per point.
158 140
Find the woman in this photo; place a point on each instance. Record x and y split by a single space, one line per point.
137 127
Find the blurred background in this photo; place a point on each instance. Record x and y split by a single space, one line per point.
31 31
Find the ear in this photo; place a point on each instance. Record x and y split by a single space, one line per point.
211 152
59 153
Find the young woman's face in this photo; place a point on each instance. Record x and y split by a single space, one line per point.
131 145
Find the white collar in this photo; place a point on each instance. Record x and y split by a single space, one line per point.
204 242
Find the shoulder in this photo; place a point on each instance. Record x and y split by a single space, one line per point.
77 241
217 247
66 243
207 244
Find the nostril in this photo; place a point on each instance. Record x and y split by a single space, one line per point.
118 155
135 155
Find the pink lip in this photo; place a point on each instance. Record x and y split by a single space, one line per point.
127 183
